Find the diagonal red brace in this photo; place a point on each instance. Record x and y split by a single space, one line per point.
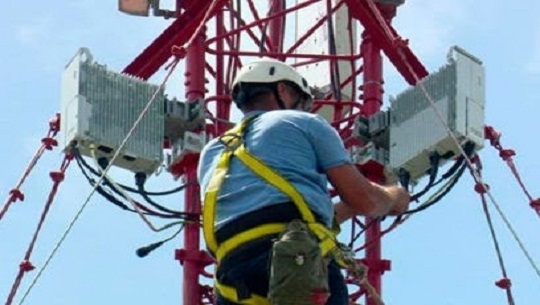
388 39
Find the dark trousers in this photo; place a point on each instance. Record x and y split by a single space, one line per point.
252 275
248 268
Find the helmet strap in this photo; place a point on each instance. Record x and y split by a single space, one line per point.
297 103
279 101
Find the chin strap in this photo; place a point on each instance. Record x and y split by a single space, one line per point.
279 101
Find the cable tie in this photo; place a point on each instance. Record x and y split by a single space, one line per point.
179 51
535 204
481 188
54 123
492 135
503 283
26 266
49 142
507 154
16 194
57 176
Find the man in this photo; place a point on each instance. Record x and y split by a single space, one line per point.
262 173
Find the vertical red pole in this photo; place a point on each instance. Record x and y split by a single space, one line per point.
372 101
192 255
275 26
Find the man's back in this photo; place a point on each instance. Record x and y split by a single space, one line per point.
299 146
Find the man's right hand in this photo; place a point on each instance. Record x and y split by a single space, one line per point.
401 200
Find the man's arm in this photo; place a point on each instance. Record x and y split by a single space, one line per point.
362 197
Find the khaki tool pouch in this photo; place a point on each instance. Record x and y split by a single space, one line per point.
298 270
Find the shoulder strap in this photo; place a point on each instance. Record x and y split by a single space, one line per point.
233 140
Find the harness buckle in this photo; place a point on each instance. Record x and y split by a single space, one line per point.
231 141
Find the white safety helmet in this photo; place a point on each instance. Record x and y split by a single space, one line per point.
269 70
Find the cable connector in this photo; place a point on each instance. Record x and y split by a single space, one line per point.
144 251
103 162
140 178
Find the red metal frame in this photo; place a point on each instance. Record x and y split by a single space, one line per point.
215 60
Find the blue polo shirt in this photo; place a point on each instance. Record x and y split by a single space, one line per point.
298 145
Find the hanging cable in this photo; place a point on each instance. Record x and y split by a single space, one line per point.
26 266
454 173
514 234
128 197
440 194
434 198
434 159
505 282
140 179
102 163
145 110
111 198
506 154
47 143
397 221
362 230
127 187
144 251
334 67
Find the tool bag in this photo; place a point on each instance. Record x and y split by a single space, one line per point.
298 270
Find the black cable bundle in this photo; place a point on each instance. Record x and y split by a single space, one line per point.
106 193
456 171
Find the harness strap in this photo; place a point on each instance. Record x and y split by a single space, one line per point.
233 140
276 180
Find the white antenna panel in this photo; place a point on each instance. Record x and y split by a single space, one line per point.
99 107
416 129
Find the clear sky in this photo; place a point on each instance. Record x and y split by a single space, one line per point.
443 256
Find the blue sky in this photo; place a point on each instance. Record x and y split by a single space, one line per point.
443 256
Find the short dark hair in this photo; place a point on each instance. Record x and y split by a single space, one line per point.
247 93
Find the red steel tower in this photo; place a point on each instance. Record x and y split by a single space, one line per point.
213 38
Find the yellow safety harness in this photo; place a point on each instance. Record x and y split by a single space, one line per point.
234 146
